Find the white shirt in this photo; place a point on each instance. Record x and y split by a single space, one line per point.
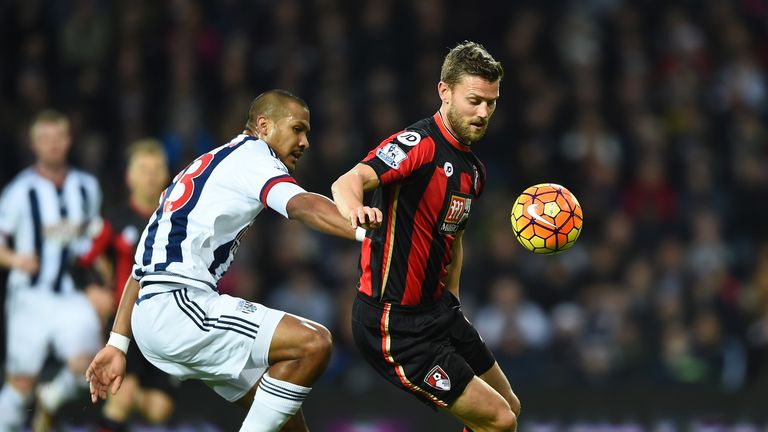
194 234
53 222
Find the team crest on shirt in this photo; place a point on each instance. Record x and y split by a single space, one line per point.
246 307
456 212
437 378
392 155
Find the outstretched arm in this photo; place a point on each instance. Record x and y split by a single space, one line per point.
348 191
107 370
318 212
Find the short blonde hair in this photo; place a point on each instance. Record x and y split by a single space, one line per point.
48 116
145 146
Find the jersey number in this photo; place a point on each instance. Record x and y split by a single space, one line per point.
185 181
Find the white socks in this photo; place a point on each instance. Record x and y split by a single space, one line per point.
62 388
11 408
274 403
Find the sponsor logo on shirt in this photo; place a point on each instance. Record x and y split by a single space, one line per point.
456 213
409 138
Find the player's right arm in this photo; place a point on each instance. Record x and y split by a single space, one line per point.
348 191
319 213
10 217
9 259
107 370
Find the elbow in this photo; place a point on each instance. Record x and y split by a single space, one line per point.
336 187
299 207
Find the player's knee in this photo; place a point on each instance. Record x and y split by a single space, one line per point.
118 406
159 410
505 421
514 404
318 343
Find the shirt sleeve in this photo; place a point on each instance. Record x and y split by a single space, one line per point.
269 182
10 205
278 192
400 155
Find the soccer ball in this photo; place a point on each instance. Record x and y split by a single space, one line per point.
547 218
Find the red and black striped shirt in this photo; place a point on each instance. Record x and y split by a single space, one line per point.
428 181
127 221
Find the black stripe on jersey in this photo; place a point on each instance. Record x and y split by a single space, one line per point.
222 253
149 242
86 207
180 217
37 227
437 247
171 279
64 250
220 256
412 192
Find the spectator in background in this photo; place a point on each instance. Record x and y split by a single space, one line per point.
50 213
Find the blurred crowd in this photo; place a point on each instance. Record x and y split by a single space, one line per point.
652 112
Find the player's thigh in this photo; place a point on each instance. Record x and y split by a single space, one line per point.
495 378
481 407
28 334
78 326
294 336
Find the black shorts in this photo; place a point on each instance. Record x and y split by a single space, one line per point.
150 377
432 351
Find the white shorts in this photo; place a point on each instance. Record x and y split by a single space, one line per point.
190 332
38 320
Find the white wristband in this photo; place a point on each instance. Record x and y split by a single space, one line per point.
119 341
360 234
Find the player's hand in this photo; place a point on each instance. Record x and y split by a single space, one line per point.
106 372
366 217
26 263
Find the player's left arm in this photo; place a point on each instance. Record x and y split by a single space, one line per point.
454 268
107 370
348 191
319 213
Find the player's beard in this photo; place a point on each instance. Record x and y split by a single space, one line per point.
463 129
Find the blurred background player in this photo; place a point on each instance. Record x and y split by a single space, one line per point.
49 215
145 389
406 319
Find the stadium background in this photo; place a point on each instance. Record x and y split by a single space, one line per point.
651 112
